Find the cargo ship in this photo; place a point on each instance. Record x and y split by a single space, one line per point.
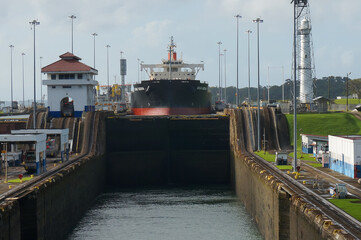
172 88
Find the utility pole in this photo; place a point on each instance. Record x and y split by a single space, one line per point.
219 71
249 69
72 32
22 55
11 77
225 75
33 24
237 17
107 46
258 21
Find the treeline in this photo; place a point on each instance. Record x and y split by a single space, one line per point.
328 87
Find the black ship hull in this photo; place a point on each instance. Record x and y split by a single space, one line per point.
171 97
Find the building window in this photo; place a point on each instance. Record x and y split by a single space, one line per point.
66 76
53 76
66 86
80 76
53 87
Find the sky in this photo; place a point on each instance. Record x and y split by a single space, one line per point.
142 30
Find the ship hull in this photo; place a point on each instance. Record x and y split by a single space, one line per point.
171 97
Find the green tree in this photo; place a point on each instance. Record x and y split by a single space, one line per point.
354 87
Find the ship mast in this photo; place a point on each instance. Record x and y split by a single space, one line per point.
171 47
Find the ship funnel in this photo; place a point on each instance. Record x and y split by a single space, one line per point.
174 56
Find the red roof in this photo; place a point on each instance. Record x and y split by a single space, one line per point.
68 63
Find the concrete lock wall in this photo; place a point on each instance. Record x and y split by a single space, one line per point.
278 212
51 209
162 150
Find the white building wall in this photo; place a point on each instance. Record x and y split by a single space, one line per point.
78 93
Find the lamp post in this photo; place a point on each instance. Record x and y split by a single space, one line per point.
249 68
225 75
294 85
94 35
237 17
11 76
33 24
283 85
72 27
268 85
348 74
219 70
258 21
107 46
22 56
221 73
138 69
41 84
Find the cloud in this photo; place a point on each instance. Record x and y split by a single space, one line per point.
152 33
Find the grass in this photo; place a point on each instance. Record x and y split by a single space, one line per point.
316 165
284 167
324 124
17 180
350 101
351 206
266 156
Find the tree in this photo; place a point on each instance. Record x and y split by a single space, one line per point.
354 87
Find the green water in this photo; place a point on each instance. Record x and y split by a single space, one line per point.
167 213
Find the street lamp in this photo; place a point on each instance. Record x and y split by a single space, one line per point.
295 20
107 46
22 55
138 69
41 84
237 17
348 74
219 70
33 24
249 68
258 21
72 27
94 35
11 76
225 75
283 85
221 55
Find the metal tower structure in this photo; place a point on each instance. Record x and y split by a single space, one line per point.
305 65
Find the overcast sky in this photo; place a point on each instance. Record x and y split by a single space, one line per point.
142 29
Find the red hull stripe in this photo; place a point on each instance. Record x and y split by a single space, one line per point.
170 111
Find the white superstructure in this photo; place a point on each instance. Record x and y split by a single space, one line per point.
180 70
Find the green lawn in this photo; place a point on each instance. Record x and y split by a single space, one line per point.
17 180
351 206
316 165
266 156
350 101
324 124
284 167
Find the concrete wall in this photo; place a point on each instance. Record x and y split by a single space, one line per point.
278 212
52 208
